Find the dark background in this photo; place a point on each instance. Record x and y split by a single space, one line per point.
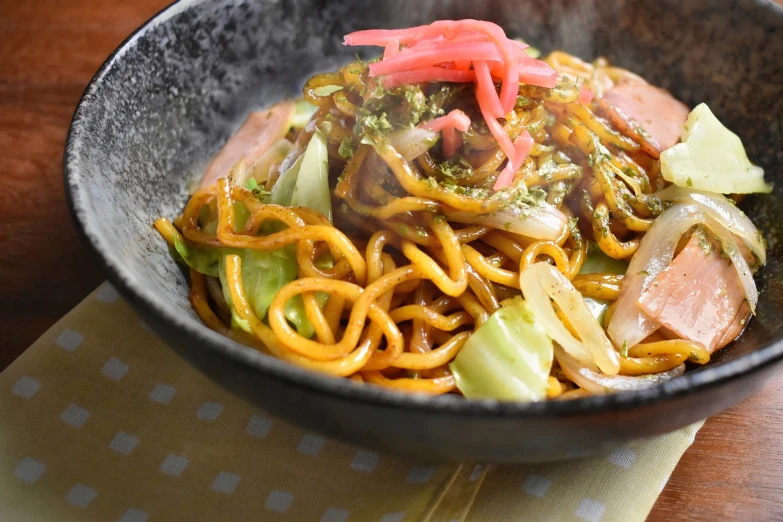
49 49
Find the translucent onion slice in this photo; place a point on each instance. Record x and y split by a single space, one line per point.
731 248
412 143
259 170
599 384
656 250
724 211
542 222
541 283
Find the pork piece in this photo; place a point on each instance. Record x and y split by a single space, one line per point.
254 137
698 296
647 114
736 327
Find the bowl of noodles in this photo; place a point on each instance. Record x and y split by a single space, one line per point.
496 232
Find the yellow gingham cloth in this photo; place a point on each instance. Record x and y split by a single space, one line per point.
100 421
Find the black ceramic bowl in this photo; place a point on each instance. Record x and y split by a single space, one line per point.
169 97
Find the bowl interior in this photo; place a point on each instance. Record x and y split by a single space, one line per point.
163 105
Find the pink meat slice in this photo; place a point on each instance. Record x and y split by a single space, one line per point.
698 296
736 327
259 131
633 104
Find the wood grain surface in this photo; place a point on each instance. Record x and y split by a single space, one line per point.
49 49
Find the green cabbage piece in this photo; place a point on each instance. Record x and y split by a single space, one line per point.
283 189
311 187
305 184
508 358
712 158
201 259
263 275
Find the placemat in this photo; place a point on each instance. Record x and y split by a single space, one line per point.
99 420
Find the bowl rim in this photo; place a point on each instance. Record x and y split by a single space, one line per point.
192 330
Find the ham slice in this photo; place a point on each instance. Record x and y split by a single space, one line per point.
698 296
648 115
585 96
254 137
736 327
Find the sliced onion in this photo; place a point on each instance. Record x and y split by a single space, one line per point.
291 158
542 283
542 222
656 250
724 211
259 170
412 143
744 272
296 151
598 383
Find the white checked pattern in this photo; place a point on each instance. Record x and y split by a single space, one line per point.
335 515
174 465
124 443
365 461
107 294
279 501
310 444
162 393
69 339
259 426
209 411
26 387
622 457
114 369
81 495
536 485
74 416
225 482
590 510
134 515
29 470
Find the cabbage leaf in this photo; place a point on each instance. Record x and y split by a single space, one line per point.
508 358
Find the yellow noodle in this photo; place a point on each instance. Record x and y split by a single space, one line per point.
547 248
694 351
649 365
404 287
342 367
488 270
319 81
598 286
437 386
437 357
606 240
553 388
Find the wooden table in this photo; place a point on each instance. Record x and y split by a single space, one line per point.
49 49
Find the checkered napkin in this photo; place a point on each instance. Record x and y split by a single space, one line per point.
100 421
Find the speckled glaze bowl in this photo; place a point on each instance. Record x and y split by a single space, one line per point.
169 97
